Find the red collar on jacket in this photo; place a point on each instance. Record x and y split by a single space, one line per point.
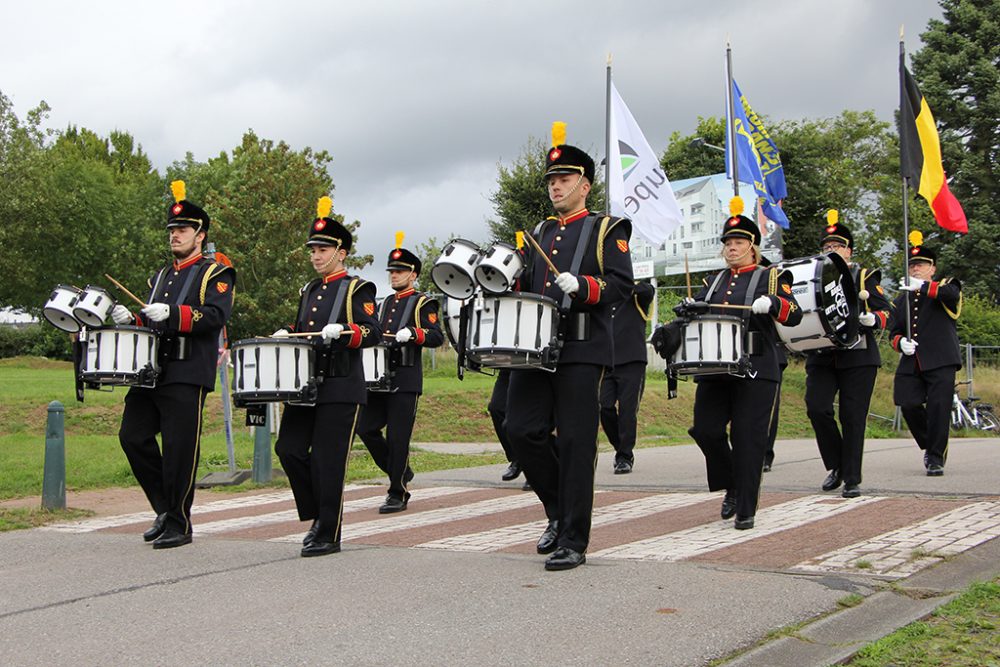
573 217
336 275
743 269
186 263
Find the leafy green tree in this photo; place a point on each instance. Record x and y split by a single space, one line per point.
687 158
958 70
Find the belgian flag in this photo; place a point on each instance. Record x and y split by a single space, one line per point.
920 156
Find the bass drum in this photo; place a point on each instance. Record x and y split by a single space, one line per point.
825 291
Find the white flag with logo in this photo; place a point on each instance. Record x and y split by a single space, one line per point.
637 187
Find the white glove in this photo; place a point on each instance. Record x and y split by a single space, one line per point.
866 319
280 333
404 335
567 282
157 312
121 315
907 346
332 331
914 286
761 305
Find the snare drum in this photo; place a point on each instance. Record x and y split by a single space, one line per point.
58 310
93 306
515 331
451 314
825 291
499 268
454 270
376 364
273 370
710 345
121 356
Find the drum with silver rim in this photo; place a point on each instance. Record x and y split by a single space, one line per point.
515 331
121 356
825 291
499 268
93 306
454 270
58 310
376 364
710 345
273 370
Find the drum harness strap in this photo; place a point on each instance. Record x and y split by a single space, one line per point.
751 341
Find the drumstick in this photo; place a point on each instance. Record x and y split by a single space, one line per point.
125 289
538 249
388 335
299 334
729 305
687 274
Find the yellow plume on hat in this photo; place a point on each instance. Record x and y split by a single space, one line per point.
519 239
736 206
832 216
558 133
399 240
323 207
179 190
916 238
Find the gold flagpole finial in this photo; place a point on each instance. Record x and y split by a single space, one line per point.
609 59
901 32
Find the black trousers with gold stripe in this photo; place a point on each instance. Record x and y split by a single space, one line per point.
167 477
925 400
313 445
621 392
734 460
395 412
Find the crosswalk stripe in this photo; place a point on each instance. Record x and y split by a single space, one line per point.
720 534
900 553
508 536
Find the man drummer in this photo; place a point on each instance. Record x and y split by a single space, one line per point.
925 378
622 386
849 372
746 402
189 302
314 441
409 322
593 270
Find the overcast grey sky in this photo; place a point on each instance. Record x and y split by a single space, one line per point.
419 101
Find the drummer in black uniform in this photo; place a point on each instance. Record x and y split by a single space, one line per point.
847 372
745 403
314 441
409 322
189 301
925 379
622 386
594 271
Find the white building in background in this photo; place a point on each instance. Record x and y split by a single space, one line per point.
701 203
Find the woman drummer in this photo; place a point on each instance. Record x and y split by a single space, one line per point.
747 402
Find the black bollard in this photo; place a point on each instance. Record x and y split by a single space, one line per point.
54 477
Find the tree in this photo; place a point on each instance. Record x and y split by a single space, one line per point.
683 158
958 70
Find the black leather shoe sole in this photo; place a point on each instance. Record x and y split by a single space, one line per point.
832 481
319 549
934 470
743 523
171 539
159 525
547 542
728 507
392 506
851 491
564 559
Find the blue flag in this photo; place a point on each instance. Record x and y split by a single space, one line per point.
758 161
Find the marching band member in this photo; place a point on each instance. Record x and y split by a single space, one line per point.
498 415
622 386
745 403
849 373
412 318
314 442
594 270
189 302
925 379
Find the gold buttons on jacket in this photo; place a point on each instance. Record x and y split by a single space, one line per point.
555 252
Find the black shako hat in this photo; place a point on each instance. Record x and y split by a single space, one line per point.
738 225
565 159
325 230
183 213
836 230
919 252
401 259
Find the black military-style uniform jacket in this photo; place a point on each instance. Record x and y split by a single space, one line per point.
731 288
934 308
630 317
604 278
419 313
866 352
340 360
199 292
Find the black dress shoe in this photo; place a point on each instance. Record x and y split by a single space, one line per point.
850 491
728 505
564 558
512 471
547 542
394 504
623 467
159 523
767 467
935 470
832 480
171 538
320 547
311 533
526 486
743 523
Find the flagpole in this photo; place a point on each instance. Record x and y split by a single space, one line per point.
731 129
607 143
906 195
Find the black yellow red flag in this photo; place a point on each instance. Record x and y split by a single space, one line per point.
920 156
